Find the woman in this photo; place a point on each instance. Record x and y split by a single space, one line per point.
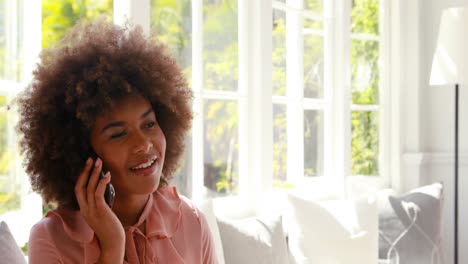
110 99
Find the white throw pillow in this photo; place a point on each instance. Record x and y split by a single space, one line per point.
9 251
332 232
206 207
256 240
410 226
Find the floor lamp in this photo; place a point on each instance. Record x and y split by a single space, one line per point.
450 69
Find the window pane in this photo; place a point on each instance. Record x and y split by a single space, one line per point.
365 16
313 143
365 143
279 52
364 71
313 59
10 184
58 16
315 6
221 147
183 173
2 37
280 144
220 47
11 40
171 21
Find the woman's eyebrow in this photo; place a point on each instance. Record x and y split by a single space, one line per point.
150 110
121 123
113 124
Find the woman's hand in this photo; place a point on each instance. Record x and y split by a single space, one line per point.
98 215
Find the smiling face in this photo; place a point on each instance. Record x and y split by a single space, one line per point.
128 139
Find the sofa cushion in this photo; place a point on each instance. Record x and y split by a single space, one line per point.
253 240
9 250
332 232
410 226
206 207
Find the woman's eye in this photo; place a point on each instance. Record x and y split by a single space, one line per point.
117 135
150 124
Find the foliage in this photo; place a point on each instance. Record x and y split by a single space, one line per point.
220 69
58 16
9 201
171 24
3 133
365 88
2 37
9 195
24 249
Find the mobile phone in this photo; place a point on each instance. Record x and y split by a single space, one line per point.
109 193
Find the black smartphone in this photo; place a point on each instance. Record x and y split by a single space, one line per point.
109 193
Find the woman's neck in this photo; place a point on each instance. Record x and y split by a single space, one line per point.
129 208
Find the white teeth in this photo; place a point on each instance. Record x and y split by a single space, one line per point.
144 165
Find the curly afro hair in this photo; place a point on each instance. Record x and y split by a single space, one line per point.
96 64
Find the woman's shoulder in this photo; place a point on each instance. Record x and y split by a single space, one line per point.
62 223
49 224
177 201
185 208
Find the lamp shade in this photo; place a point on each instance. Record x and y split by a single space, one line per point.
450 63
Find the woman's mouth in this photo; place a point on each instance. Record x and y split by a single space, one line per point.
145 168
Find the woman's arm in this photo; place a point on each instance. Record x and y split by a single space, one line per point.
208 250
41 248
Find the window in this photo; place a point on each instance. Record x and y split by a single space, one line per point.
286 92
60 16
328 106
203 35
20 43
11 74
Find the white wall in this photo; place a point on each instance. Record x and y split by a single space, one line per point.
428 119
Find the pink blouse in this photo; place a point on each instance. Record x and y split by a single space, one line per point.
176 232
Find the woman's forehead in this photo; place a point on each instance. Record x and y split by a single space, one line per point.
132 104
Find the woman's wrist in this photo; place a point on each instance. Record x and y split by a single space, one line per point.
112 253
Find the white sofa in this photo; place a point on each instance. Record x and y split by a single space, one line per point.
312 227
319 228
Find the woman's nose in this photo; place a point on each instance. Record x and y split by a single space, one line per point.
143 144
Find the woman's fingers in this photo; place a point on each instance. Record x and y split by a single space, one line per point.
100 190
92 183
80 186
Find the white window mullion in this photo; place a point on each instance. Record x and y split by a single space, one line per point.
243 86
260 112
341 96
394 20
32 36
198 189
328 84
385 96
295 90
11 44
136 12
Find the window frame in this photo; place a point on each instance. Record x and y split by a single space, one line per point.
255 141
255 109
